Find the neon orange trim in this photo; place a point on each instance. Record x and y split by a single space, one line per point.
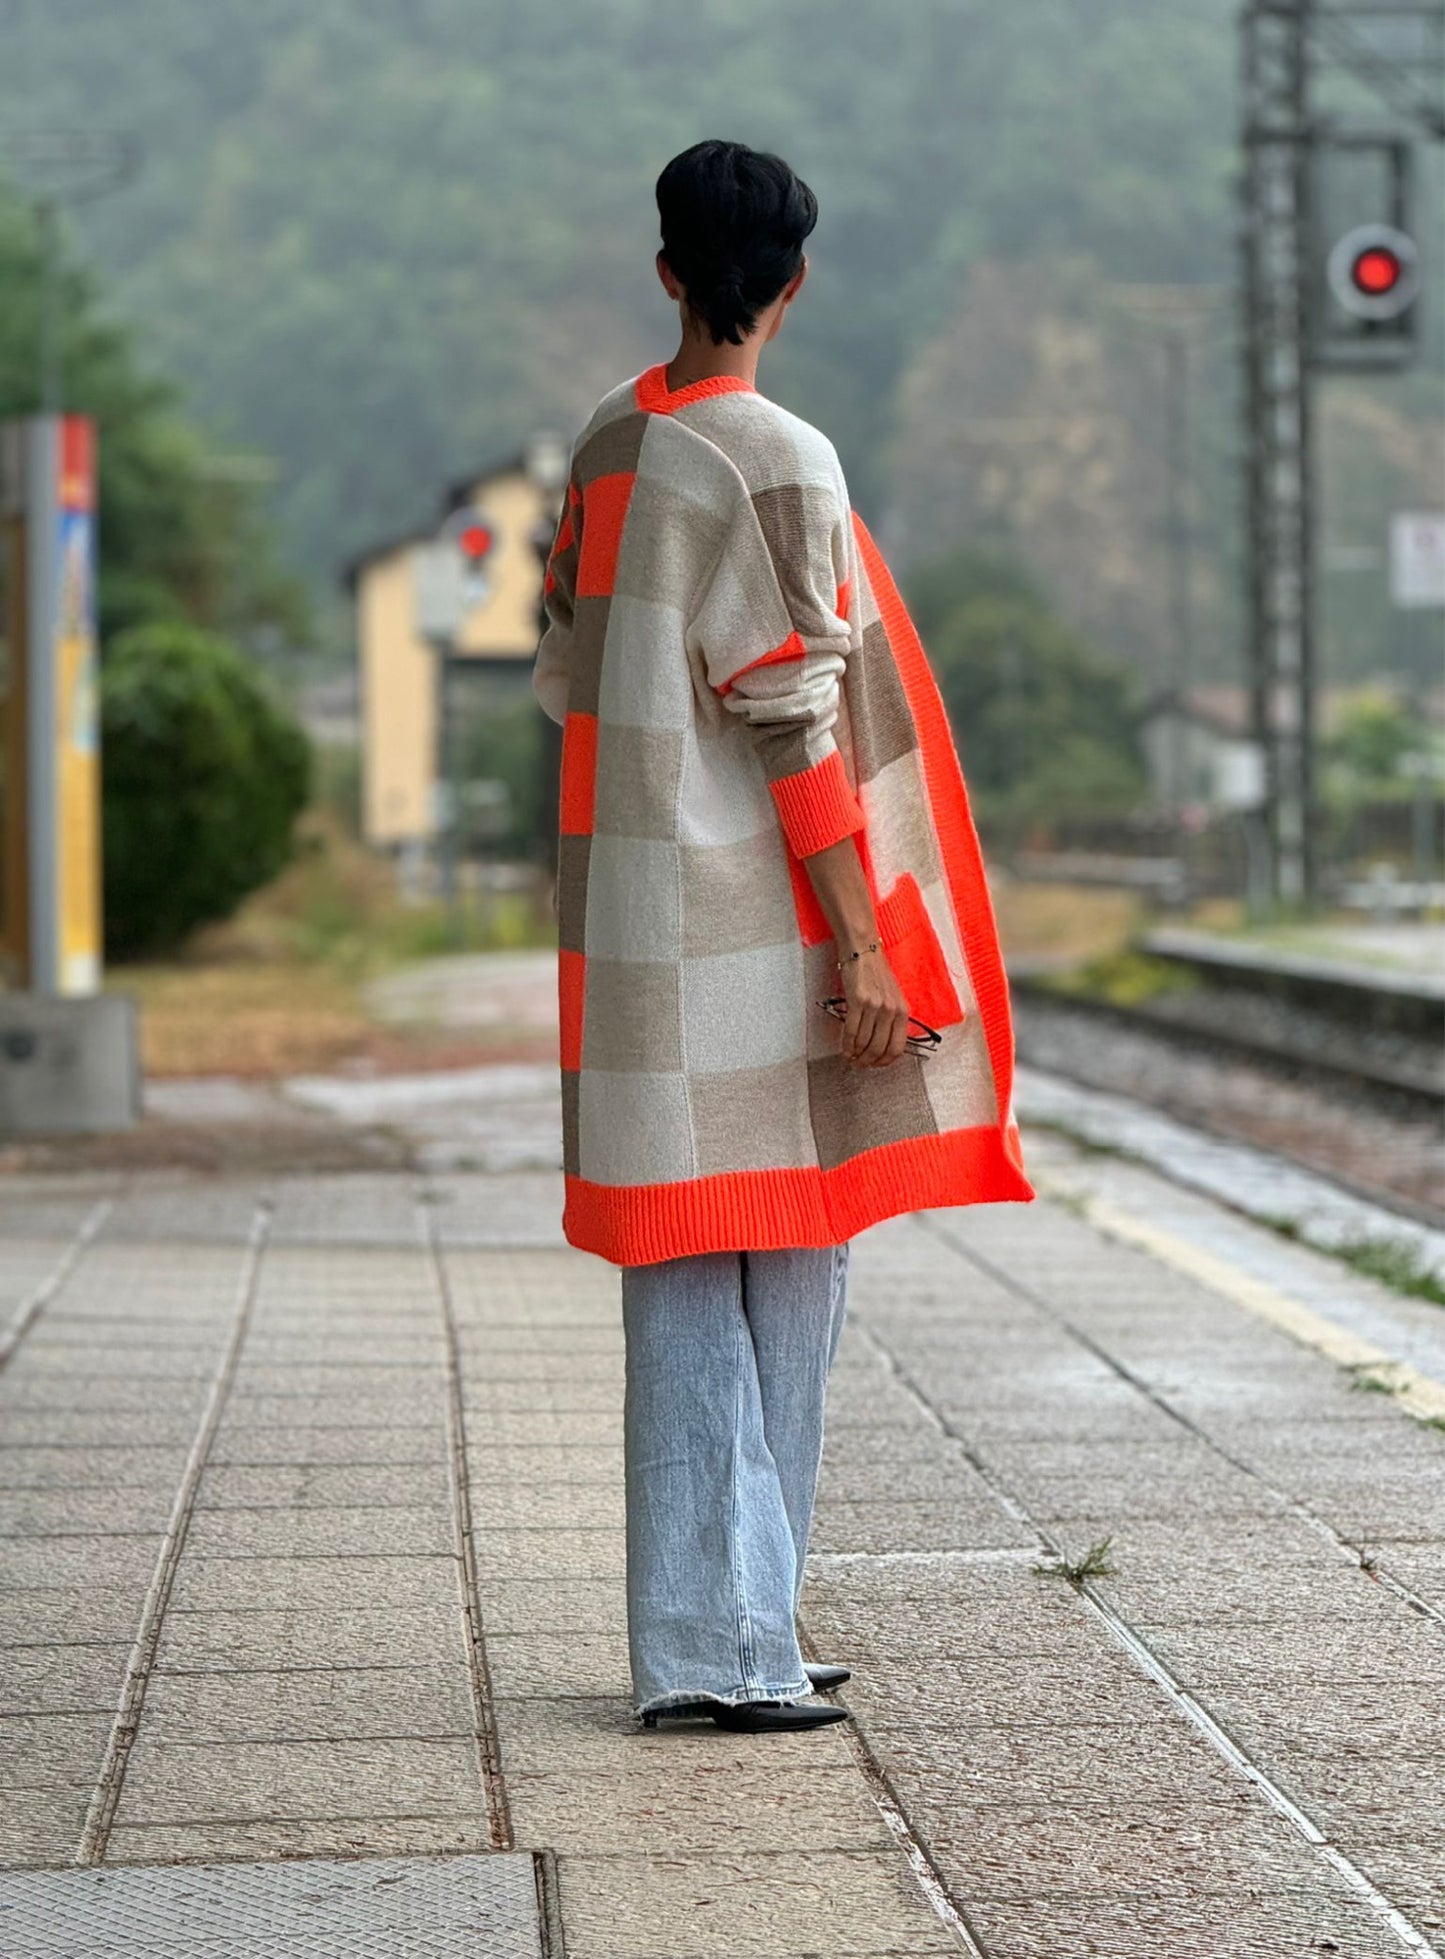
652 393
792 648
604 512
817 806
759 1210
948 799
844 599
578 796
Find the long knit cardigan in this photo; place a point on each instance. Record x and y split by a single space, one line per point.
739 685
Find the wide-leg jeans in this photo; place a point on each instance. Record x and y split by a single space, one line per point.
728 1357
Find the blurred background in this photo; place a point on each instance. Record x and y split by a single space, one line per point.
1124 317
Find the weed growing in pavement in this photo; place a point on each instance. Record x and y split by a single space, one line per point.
1095 1563
1396 1263
1371 1378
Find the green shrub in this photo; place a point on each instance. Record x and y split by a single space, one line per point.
205 774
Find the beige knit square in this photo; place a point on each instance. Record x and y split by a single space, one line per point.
634 1129
647 679
630 1017
753 1119
857 1109
737 895
743 1009
638 772
632 898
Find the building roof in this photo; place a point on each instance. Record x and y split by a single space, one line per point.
453 496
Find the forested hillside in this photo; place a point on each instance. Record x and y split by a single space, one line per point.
381 239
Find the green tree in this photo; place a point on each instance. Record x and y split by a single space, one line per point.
205 774
1046 725
175 544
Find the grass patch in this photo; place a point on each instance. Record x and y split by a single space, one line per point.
1396 1263
1095 1563
280 988
1127 978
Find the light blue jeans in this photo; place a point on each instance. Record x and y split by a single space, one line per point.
728 1356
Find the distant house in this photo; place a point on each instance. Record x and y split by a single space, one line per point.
398 676
1198 748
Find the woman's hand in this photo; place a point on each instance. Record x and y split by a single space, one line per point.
876 1028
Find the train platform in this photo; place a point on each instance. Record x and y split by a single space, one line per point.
1131 1528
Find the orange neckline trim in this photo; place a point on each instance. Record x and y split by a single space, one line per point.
653 394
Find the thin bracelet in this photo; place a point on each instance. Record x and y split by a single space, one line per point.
873 946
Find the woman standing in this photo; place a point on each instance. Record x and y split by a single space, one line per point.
783 1015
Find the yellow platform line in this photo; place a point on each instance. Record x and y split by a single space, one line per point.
1417 1393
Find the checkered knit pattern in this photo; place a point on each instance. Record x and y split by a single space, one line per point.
739 685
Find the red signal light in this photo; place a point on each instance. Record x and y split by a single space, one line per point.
1377 271
475 542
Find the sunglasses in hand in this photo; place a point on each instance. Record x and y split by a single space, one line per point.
923 1043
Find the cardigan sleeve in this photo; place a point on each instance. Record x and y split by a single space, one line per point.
559 598
773 634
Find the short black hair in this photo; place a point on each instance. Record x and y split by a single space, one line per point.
733 225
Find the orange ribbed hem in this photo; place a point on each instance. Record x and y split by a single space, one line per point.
817 806
765 1210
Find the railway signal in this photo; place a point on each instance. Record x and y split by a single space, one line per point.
1374 272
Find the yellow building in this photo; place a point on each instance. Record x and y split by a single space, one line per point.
398 673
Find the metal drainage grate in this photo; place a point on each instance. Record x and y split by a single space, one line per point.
478 1907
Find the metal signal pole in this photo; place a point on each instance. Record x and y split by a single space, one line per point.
1384 48
1280 557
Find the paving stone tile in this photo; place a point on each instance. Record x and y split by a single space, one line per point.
849 1905
904 1610
1068 1765
659 1808
52 1751
552 1463
71 1615
982 1690
562 1605
399 1407
1318 1711
483 1391
549 1506
298 1781
549 1666
340 1836
62 1402
519 1554
53 1563
317 1486
321 1533
1343 1649
971 1521
396 1445
93 1511
35 1468
308 1584
1172 1850
62 1679
156 1428
1222 1925
364 1636
502 1427
311 1705
42 1829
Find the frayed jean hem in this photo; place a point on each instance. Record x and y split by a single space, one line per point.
699 1697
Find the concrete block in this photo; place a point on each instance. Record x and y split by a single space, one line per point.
68 1066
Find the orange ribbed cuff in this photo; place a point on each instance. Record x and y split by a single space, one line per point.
817 806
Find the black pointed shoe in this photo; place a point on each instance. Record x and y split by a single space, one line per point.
825 1679
775 1717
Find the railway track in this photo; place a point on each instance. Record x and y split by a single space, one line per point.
1348 1086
